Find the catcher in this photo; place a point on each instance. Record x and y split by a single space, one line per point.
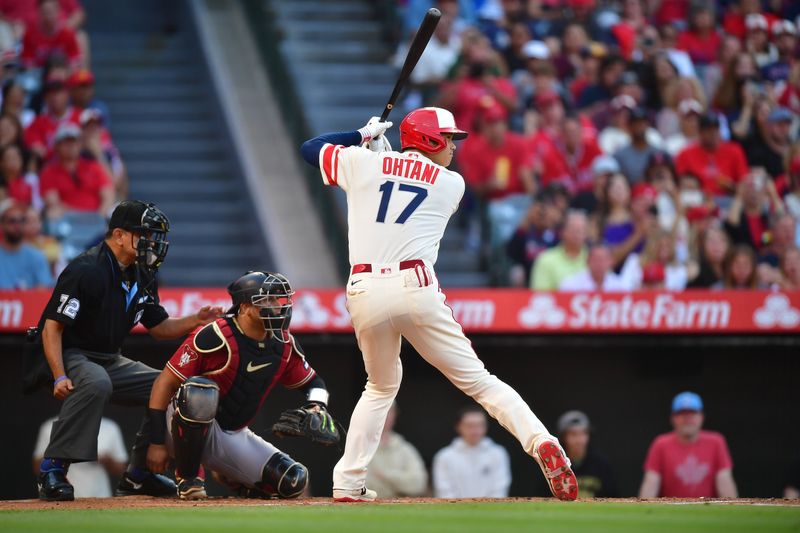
213 386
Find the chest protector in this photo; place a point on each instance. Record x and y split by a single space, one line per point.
244 383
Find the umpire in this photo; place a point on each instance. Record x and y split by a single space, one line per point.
98 298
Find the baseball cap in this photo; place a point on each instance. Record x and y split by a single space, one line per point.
780 114
492 111
605 164
573 419
127 215
535 50
53 83
687 401
756 21
690 105
91 114
659 158
67 130
644 190
784 27
80 77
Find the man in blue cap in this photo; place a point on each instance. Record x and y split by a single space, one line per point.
688 462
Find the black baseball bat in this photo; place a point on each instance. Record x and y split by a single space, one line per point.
414 52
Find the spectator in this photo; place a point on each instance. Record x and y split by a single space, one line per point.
13 103
71 183
701 41
611 69
97 145
729 96
13 182
40 135
397 469
569 257
688 462
568 160
49 37
90 479
739 270
689 111
658 255
616 136
720 165
789 96
597 276
661 174
544 121
513 54
634 157
714 248
627 218
21 265
769 147
783 236
603 167
785 34
473 465
574 41
678 58
757 40
537 233
481 79
596 478
81 93
47 244
792 198
494 161
747 221
790 270
668 117
734 21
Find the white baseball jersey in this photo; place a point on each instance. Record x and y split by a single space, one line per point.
398 204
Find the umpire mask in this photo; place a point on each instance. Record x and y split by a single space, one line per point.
151 224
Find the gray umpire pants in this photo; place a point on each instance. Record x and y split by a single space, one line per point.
98 379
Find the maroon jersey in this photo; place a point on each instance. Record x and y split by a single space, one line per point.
245 369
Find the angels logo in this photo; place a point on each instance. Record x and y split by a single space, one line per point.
776 311
187 356
542 310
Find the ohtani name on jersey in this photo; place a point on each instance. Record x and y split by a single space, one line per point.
408 168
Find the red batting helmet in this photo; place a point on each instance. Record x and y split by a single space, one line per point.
423 128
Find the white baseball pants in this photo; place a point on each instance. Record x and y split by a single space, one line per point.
386 304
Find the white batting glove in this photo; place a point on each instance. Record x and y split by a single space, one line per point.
374 129
379 144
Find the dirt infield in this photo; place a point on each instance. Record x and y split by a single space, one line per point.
147 502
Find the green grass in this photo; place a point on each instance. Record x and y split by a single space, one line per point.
416 518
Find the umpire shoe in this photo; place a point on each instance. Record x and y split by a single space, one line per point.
151 485
354 496
54 487
556 468
192 489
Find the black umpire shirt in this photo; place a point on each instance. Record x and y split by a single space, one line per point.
98 303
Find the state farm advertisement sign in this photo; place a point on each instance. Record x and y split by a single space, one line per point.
507 311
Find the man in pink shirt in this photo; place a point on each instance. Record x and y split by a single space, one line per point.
688 462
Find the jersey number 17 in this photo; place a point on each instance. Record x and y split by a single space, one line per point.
386 189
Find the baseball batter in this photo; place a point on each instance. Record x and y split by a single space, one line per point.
399 204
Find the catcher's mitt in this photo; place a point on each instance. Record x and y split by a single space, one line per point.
307 421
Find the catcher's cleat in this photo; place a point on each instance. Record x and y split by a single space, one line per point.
354 496
555 466
192 489
54 487
151 485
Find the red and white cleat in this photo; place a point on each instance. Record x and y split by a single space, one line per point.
354 496
555 466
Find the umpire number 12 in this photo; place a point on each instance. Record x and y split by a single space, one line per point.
386 193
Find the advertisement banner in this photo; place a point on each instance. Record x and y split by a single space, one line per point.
507 310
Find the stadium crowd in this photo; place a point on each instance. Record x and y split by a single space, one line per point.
60 172
619 145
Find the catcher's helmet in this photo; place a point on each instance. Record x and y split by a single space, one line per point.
271 293
422 129
150 223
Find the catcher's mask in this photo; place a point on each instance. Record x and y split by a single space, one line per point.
151 224
271 293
